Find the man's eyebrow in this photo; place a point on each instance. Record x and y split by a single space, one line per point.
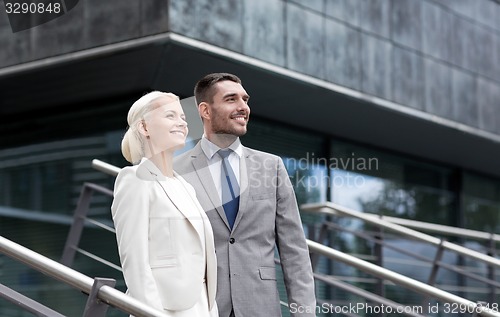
233 94
230 94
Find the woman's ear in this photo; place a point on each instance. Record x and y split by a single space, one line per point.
204 110
141 127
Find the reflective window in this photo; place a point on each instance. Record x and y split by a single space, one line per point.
481 199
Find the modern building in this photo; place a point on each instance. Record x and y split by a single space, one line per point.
384 106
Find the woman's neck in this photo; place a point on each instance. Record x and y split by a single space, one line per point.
164 162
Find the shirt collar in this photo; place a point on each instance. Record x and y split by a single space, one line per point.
210 149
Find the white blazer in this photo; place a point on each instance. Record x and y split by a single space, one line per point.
160 249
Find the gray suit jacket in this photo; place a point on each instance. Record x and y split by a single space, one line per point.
268 216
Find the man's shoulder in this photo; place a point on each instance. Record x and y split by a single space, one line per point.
182 157
260 154
182 162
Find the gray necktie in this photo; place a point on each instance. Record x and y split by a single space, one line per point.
230 188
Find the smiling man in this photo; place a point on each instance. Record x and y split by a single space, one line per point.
250 202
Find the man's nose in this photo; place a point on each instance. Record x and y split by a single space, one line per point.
242 105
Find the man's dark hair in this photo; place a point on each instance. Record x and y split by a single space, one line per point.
204 89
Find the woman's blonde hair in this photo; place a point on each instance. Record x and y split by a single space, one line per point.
133 140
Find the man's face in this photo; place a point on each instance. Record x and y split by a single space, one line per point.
229 112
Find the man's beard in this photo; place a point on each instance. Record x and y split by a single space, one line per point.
229 131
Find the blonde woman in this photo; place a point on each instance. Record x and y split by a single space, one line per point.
165 240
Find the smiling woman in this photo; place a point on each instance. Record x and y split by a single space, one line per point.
151 119
165 240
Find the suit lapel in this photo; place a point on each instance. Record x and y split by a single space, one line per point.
178 202
200 165
245 168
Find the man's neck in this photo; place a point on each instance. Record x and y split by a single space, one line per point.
221 140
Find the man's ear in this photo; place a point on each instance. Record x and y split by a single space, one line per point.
204 110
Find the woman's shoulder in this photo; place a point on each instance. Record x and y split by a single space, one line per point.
127 174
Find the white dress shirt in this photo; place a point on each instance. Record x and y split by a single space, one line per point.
215 161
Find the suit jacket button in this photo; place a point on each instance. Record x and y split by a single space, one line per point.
231 240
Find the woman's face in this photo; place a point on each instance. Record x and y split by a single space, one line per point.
165 125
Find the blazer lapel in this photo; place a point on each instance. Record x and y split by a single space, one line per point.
178 202
200 165
244 185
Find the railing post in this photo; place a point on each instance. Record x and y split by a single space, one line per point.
95 307
491 269
76 229
435 264
323 231
435 267
379 259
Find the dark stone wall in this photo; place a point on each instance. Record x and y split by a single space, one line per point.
438 56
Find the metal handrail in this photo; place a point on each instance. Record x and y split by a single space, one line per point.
105 167
334 209
399 279
76 279
440 229
424 226
368 267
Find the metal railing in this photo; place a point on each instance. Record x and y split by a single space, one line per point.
370 268
101 292
402 280
383 227
334 209
440 229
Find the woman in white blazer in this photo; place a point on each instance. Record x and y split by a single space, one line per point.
165 240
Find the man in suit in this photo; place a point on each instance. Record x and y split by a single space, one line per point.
251 205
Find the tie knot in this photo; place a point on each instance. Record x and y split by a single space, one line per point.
224 153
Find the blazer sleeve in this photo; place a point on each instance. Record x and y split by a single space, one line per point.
292 247
130 211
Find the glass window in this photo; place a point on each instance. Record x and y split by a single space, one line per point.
377 182
301 152
481 199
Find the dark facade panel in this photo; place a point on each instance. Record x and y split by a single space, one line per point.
489 105
344 10
342 54
215 22
406 23
376 57
438 88
408 78
464 96
305 46
315 5
264 30
375 17
437 33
